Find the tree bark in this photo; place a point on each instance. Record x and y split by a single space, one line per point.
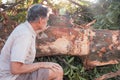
95 47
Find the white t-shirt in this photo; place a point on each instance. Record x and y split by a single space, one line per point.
19 47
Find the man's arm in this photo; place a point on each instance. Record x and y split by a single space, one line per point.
19 68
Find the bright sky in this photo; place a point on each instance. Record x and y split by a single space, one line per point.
4 1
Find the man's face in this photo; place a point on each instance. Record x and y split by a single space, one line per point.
43 24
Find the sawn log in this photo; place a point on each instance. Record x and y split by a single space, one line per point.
95 47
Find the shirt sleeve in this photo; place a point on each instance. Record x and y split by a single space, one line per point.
20 48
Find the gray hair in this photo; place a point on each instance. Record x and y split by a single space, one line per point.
36 11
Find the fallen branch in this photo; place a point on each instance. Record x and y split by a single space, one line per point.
109 75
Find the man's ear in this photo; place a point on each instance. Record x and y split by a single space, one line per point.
40 20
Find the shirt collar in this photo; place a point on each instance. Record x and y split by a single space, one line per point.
30 27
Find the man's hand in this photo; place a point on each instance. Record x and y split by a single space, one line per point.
50 65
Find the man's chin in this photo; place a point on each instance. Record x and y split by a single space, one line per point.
38 31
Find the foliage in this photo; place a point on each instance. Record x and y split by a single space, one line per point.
110 19
74 69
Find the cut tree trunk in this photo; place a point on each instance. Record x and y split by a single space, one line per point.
95 47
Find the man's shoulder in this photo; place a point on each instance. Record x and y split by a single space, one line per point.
21 29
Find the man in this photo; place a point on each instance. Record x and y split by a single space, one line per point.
18 53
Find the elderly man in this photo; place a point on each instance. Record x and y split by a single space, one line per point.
18 53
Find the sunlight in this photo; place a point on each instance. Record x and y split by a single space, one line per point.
93 1
9 1
4 1
58 1
65 1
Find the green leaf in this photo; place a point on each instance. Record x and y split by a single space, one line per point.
67 72
71 60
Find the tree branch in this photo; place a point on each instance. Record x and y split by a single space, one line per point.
109 75
75 3
13 5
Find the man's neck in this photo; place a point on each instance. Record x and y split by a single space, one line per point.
34 26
